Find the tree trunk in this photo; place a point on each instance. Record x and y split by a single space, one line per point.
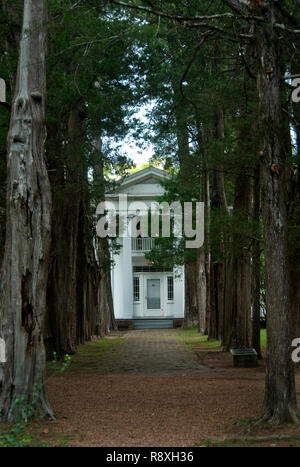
237 322
218 265
204 253
207 250
217 285
294 241
202 284
192 311
25 265
88 281
256 270
294 264
62 285
280 397
10 39
107 317
238 290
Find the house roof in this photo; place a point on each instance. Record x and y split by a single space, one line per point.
142 176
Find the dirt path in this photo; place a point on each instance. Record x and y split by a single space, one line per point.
151 391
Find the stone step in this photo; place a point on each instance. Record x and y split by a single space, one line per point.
153 324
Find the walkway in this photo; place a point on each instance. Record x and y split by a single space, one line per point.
154 351
149 390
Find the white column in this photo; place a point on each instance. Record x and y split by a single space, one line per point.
127 278
123 281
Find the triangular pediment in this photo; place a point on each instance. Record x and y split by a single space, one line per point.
150 179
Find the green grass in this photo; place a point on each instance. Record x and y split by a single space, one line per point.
88 356
263 338
192 338
264 441
98 346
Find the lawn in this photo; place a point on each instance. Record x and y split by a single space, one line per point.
192 338
90 354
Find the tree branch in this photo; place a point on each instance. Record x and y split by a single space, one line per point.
168 16
239 6
194 56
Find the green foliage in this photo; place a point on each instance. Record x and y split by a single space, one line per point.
16 436
58 367
26 410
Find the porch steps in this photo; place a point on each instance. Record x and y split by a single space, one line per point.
153 324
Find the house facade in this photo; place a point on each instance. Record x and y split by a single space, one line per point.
144 295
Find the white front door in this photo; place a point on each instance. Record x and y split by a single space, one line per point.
153 296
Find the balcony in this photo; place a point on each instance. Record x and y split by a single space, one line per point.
142 245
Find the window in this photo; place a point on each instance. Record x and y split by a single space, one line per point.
170 289
150 269
136 289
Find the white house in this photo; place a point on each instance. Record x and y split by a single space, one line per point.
143 294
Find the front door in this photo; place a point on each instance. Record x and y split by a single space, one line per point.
153 295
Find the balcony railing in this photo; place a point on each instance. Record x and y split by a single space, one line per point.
142 244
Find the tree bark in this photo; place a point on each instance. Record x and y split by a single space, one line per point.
191 311
9 42
238 278
294 222
256 270
193 303
25 265
280 397
62 286
218 265
88 280
107 317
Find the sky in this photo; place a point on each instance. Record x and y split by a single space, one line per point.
137 154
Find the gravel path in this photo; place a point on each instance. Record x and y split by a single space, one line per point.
150 352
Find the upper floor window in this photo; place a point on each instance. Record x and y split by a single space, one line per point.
136 289
170 288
